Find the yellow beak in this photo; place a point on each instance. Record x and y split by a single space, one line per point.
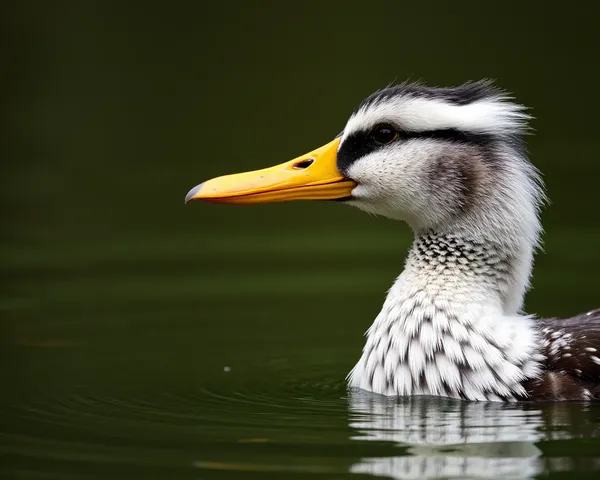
313 176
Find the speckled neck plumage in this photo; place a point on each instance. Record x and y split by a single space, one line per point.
443 329
475 258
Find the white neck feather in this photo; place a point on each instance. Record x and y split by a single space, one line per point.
448 326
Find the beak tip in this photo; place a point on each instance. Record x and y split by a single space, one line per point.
192 193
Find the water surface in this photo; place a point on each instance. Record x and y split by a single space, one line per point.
232 365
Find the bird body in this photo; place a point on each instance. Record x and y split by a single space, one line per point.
450 162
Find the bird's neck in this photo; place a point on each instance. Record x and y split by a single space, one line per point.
451 265
449 327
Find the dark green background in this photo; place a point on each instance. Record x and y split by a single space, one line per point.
122 307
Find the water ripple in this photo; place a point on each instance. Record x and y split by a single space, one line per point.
286 414
240 412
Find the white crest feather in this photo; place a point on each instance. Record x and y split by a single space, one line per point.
494 116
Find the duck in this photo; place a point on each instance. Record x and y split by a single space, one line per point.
451 163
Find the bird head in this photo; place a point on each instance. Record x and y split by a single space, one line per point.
436 158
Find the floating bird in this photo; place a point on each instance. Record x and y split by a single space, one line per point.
451 163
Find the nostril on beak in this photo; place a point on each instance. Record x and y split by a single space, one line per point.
301 165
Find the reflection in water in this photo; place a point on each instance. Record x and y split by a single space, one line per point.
448 438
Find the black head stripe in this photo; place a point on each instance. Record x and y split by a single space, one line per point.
360 144
357 145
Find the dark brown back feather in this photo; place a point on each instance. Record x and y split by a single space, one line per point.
572 348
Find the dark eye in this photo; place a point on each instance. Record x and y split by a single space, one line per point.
384 134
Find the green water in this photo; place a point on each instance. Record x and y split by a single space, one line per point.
227 360
145 338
